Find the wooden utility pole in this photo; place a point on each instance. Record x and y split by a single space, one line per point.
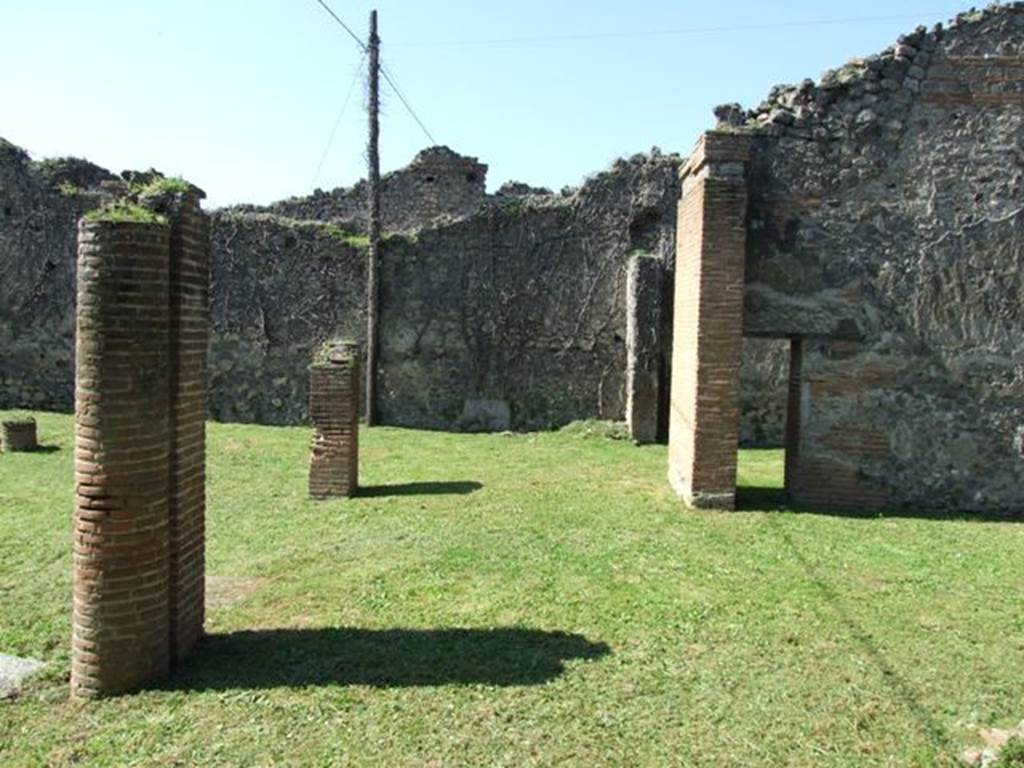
373 256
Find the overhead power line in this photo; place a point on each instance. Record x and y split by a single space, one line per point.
553 38
337 122
384 72
394 86
353 35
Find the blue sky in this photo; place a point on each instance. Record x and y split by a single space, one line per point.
240 96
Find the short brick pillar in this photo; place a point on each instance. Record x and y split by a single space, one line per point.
334 411
644 280
708 322
190 331
122 458
18 435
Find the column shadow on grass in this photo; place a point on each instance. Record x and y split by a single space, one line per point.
392 658
754 499
454 488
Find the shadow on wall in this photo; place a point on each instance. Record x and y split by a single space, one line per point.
456 487
394 658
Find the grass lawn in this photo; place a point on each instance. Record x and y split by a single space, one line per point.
527 600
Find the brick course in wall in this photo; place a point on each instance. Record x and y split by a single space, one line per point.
708 322
334 411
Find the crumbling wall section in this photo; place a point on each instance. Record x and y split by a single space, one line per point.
437 185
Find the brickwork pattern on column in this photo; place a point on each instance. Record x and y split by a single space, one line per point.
189 317
708 322
840 450
643 346
334 410
120 602
18 435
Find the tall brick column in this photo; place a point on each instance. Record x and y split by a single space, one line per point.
190 329
334 411
708 322
643 347
122 429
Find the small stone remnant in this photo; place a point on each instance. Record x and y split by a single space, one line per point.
485 415
18 435
13 672
334 410
994 740
730 115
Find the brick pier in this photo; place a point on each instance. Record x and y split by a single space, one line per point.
122 452
708 322
190 331
334 411
18 435
140 410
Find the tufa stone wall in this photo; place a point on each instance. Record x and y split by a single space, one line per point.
437 185
40 203
886 227
518 308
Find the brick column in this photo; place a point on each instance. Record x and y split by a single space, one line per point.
189 339
334 411
643 346
708 322
120 605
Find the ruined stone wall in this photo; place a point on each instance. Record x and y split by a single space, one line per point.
887 225
279 289
518 307
40 203
510 315
437 185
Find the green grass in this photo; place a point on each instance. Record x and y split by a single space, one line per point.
542 599
162 185
123 211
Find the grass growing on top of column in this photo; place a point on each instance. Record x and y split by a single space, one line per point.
527 600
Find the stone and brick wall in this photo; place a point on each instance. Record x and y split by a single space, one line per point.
886 228
281 286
